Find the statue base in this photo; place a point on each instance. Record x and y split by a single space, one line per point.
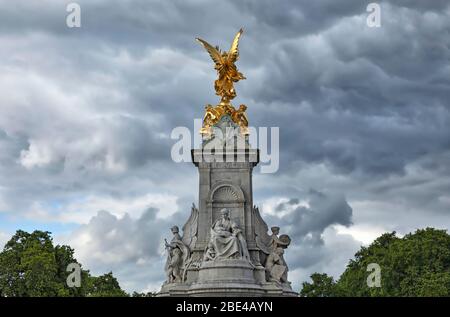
228 278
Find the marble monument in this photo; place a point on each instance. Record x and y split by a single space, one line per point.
225 249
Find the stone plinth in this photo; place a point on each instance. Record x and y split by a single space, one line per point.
230 270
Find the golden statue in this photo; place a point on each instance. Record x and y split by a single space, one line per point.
224 86
240 117
226 69
210 118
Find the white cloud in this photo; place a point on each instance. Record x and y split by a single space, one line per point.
130 248
364 233
36 155
153 287
82 210
4 237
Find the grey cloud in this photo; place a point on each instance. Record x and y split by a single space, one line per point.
352 96
438 5
307 224
282 206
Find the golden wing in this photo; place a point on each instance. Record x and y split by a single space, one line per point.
233 53
213 52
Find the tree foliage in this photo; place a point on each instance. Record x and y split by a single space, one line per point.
416 265
30 265
322 286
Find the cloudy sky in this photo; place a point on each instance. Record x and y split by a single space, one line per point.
86 115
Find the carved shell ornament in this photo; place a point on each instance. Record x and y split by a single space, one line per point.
225 193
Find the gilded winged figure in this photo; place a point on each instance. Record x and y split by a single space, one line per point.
226 68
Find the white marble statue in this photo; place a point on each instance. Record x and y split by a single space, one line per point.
227 240
276 268
177 257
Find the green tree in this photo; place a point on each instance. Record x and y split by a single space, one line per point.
322 286
416 265
105 286
31 266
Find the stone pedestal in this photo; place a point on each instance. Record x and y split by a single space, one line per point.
226 278
225 172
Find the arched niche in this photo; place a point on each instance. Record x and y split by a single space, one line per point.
230 196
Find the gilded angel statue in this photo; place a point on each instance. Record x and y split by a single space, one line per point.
226 68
